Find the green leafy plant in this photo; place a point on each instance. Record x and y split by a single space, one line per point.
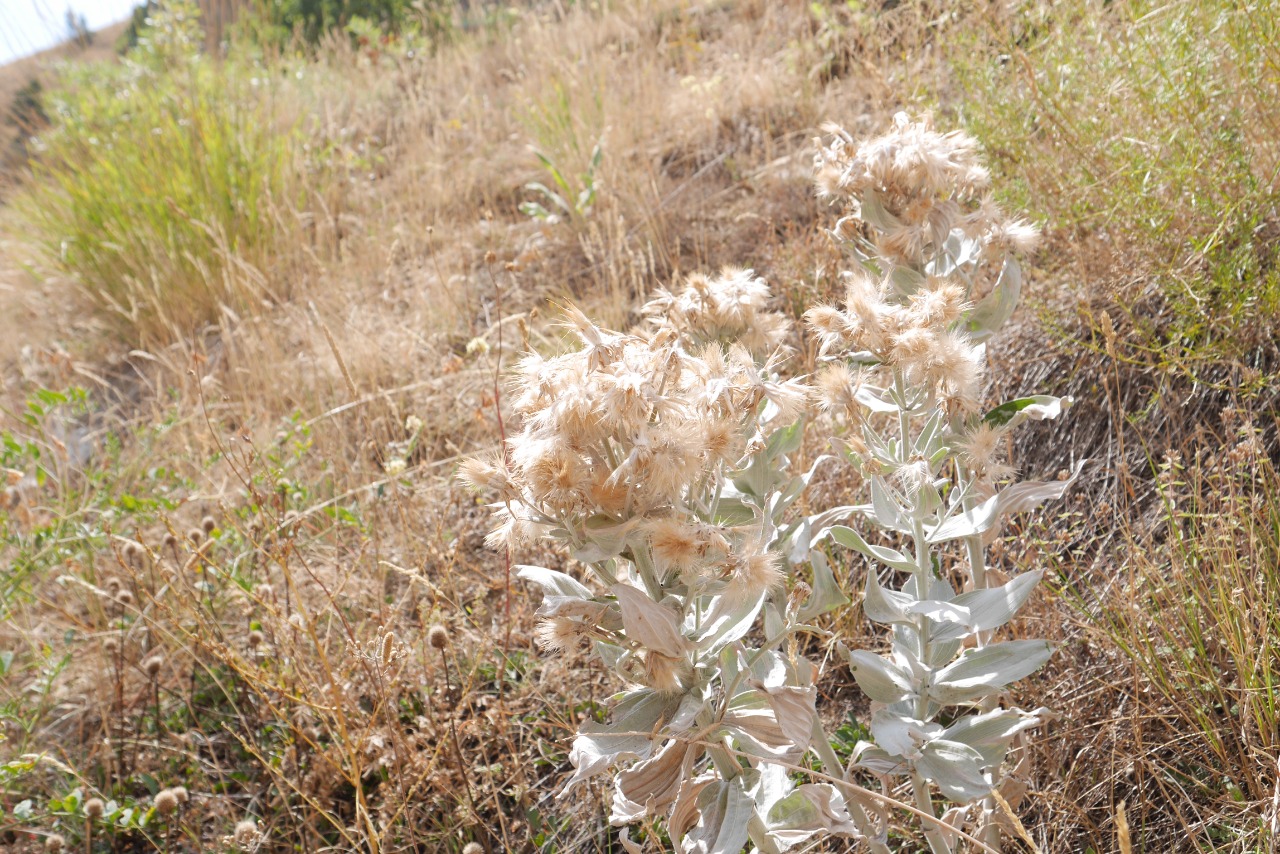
564 202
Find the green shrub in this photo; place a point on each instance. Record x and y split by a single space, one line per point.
162 184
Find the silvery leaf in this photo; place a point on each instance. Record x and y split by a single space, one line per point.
648 623
874 399
877 760
553 583
724 812
1038 407
882 605
826 595
991 608
901 735
887 510
990 733
880 679
597 746
606 538
684 813
979 672
652 785
812 808
954 768
795 710
728 620
850 538
995 309
1012 499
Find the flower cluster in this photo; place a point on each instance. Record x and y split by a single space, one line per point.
732 307
918 200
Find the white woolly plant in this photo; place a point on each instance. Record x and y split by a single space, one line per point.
906 359
660 460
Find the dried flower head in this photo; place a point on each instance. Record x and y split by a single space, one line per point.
473 848
166 802
94 808
55 842
153 665
438 637
255 639
246 834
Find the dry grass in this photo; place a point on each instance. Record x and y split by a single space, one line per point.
279 704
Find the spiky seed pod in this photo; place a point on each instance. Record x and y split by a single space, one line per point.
153 665
94 808
438 637
208 524
166 802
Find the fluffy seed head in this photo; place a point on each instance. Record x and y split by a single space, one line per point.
207 524
255 639
55 842
94 808
181 793
246 833
152 666
438 637
195 535
473 848
166 802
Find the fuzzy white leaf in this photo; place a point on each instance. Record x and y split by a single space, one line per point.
990 733
850 538
648 787
992 608
979 672
1012 499
826 595
1037 407
795 710
955 769
648 623
728 620
553 583
997 307
812 808
725 811
901 735
598 746
880 679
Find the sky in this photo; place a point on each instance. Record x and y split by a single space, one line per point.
30 26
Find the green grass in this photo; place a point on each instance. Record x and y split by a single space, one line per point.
1144 134
164 185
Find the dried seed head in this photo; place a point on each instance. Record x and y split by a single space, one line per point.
208 524
170 541
166 802
255 639
181 793
246 833
152 666
388 649
666 674
195 535
124 597
113 585
94 808
438 637
54 842
111 644
132 552
473 848
558 634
